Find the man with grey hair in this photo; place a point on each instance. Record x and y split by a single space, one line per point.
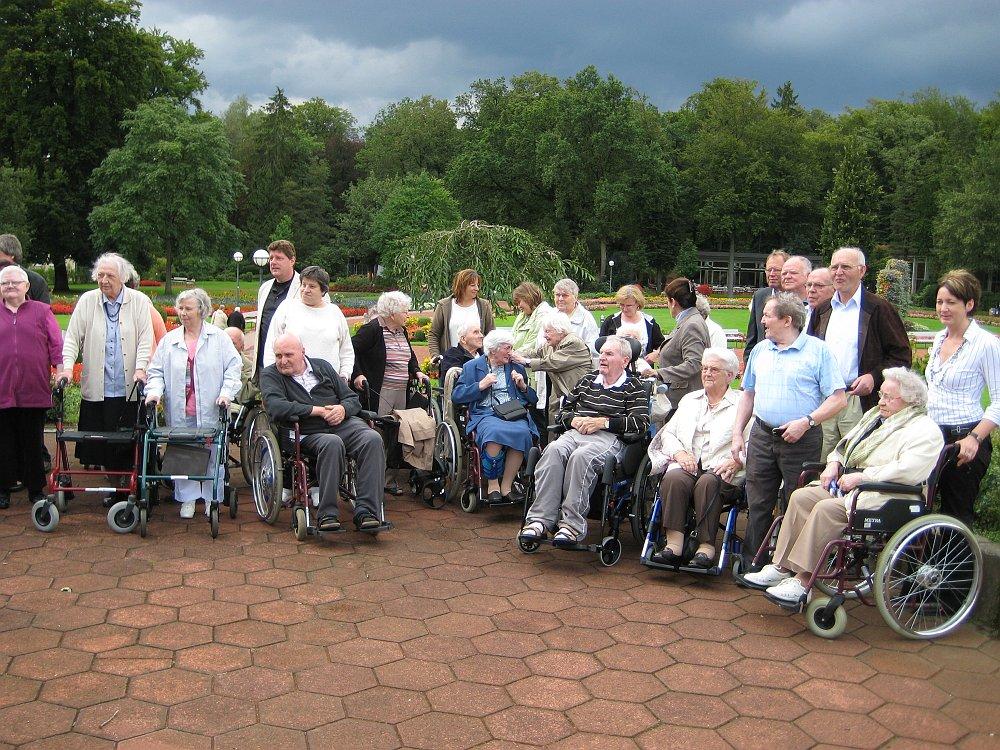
11 254
602 407
865 334
791 384
819 287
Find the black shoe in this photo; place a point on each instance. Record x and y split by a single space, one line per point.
4 500
110 499
34 497
328 523
366 522
16 487
393 489
494 498
665 556
701 560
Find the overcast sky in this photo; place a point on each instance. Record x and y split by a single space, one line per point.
364 54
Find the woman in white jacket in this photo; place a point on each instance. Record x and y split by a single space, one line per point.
692 451
195 370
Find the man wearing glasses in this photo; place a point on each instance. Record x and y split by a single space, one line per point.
865 335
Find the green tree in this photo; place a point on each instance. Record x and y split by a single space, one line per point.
787 100
850 217
411 136
15 188
284 230
69 70
168 189
362 201
687 263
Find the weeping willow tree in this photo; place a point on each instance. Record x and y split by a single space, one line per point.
424 264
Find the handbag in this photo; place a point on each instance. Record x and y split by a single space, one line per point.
509 411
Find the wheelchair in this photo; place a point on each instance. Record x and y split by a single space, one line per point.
61 488
275 457
192 442
246 420
922 569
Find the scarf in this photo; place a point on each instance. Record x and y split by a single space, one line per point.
857 445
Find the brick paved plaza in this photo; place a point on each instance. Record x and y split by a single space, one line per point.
440 634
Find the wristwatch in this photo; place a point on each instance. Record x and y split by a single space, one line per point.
812 422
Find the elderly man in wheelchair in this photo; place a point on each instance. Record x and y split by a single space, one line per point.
604 406
309 391
894 442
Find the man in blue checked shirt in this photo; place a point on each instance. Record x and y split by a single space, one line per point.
791 385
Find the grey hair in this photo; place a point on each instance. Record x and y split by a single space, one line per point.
558 322
494 339
806 263
629 331
622 344
11 245
390 303
857 252
14 270
126 271
317 275
725 356
912 388
198 295
466 328
567 286
701 304
788 305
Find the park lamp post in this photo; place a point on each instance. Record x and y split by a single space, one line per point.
260 258
611 275
237 257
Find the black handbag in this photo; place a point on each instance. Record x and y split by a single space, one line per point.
509 411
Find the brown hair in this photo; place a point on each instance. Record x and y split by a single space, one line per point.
682 290
461 282
962 284
528 292
630 291
284 247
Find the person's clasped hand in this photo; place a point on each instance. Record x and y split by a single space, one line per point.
686 461
335 414
487 381
587 425
518 380
223 401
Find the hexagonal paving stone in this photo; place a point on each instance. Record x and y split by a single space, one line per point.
746 733
214 658
249 634
568 664
254 683
395 629
611 717
691 710
14 690
27 640
766 703
469 699
50 664
300 710
490 670
261 737
290 656
281 612
212 715
533 726
142 616
336 679
435 731
32 721
413 674
365 652
121 719
167 739
548 692
634 687
354 733
83 689
133 660
169 687
843 729
213 613
69 618
384 704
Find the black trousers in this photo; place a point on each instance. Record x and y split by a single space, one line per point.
770 460
958 486
21 436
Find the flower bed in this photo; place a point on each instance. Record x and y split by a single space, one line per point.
62 308
150 282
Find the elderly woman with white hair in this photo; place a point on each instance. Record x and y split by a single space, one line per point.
195 370
384 358
111 330
567 296
692 452
895 441
488 383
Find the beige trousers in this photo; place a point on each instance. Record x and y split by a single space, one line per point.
837 426
813 519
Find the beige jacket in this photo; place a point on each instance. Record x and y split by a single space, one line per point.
87 332
678 434
569 361
416 437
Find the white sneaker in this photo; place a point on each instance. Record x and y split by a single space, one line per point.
789 590
314 496
769 575
187 509
286 495
208 507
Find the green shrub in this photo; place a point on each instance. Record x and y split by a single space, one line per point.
988 503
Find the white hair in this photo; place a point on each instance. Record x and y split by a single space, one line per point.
701 305
390 303
495 339
622 344
126 271
466 328
725 356
806 263
558 322
860 256
629 331
13 270
567 286
912 388
200 296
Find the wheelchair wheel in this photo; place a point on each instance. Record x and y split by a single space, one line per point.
822 624
256 423
470 500
611 551
60 501
267 476
644 492
45 515
213 519
299 524
928 577
528 546
143 520
862 586
447 454
233 499
123 516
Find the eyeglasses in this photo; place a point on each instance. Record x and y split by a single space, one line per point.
712 370
12 283
886 397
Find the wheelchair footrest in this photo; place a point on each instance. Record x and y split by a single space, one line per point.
715 570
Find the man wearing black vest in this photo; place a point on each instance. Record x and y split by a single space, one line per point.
326 408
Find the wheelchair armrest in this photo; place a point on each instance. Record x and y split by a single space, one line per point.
293 420
609 469
813 466
631 437
901 489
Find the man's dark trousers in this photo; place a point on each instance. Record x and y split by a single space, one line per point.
354 437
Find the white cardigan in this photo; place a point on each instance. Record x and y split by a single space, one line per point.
678 434
87 334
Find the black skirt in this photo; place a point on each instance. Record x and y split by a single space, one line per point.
109 415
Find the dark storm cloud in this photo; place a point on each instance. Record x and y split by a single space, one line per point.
363 55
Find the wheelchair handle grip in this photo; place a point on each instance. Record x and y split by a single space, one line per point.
293 420
812 465
62 383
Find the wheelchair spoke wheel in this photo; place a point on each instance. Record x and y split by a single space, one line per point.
267 476
256 422
928 577
644 492
45 515
825 625
859 583
447 454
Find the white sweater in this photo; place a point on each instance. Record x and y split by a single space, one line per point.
323 330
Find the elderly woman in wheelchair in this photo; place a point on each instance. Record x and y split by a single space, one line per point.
894 442
692 453
497 393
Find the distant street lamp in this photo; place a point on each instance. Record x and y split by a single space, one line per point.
238 257
260 258
611 275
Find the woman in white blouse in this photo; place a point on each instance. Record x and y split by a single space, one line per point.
320 325
567 296
692 452
964 360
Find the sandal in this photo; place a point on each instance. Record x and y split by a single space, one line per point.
564 537
533 530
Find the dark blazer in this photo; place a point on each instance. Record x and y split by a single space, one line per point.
680 356
654 336
467 391
882 339
369 359
755 329
284 398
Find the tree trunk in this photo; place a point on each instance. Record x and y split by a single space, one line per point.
61 277
168 282
604 259
732 263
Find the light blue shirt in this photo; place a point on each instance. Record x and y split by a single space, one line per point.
790 383
114 363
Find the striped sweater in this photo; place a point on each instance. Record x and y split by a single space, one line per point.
626 406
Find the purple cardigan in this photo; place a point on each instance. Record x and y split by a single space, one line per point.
30 341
